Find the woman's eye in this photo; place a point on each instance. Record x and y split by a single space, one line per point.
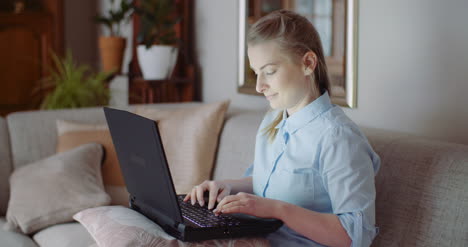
270 72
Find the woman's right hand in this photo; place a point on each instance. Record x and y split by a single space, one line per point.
217 191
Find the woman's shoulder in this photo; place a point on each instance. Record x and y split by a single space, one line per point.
339 125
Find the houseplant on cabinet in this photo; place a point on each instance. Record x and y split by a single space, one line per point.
157 52
74 86
112 47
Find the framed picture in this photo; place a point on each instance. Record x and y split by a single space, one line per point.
336 23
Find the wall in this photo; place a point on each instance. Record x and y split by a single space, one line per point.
412 69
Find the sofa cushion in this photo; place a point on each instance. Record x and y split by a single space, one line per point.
5 166
421 191
190 138
64 235
14 239
117 226
50 191
73 134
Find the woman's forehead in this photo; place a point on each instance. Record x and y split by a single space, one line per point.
264 53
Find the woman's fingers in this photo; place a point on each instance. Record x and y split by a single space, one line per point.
214 190
225 192
187 197
193 197
200 190
236 206
225 201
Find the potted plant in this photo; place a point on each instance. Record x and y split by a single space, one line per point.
112 47
157 50
74 86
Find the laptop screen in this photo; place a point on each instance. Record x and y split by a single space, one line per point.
142 161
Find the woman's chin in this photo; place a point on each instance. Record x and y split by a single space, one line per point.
274 105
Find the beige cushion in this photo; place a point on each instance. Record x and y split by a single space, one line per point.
118 226
51 190
73 134
190 138
64 235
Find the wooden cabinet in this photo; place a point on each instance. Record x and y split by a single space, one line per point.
25 43
27 39
183 84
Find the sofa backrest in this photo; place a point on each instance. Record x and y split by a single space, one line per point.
5 166
236 143
422 190
33 134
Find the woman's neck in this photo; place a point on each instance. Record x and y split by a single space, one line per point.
309 98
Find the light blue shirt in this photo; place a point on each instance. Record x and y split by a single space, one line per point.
320 161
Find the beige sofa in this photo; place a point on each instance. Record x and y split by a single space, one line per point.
422 186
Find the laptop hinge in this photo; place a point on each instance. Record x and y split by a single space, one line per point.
155 215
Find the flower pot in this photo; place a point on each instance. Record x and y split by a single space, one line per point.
112 50
157 62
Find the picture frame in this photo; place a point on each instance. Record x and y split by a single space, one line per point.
335 20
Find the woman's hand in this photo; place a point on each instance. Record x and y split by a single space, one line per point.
217 191
248 204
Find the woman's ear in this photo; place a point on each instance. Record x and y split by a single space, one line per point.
309 63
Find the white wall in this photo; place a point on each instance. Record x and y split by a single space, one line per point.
412 69
216 38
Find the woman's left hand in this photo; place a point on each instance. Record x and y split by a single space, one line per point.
250 204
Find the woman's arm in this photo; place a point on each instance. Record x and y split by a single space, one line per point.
323 228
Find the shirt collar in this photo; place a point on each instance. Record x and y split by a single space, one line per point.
299 119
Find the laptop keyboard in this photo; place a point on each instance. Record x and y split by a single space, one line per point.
203 217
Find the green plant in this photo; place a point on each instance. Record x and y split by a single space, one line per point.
116 16
74 86
157 22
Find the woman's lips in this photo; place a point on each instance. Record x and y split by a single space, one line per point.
269 97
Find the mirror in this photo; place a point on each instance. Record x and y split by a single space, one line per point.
335 21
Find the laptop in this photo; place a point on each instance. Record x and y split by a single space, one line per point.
148 179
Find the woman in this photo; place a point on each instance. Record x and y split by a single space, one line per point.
313 168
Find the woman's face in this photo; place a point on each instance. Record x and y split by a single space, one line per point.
285 84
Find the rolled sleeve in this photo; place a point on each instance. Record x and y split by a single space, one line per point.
349 167
359 230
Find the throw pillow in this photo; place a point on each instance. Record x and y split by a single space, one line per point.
73 134
117 226
52 190
190 138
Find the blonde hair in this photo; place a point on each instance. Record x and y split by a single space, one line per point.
296 36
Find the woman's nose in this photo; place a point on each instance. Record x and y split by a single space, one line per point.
260 85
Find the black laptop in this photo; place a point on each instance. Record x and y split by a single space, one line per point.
149 182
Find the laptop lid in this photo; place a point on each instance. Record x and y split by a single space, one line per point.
143 161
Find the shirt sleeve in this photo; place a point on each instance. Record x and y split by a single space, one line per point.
348 168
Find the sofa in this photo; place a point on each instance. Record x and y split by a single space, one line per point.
422 185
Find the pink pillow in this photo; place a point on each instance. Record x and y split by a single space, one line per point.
119 226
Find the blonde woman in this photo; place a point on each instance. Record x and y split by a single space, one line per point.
313 168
